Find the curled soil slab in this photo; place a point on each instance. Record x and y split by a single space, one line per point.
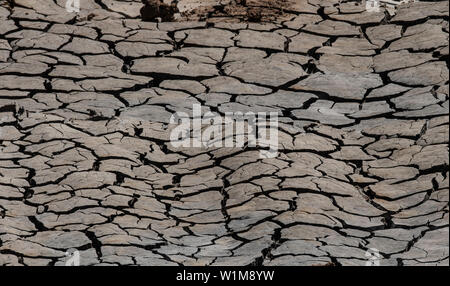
216 10
234 10
157 9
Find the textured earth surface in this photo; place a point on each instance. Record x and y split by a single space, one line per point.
86 162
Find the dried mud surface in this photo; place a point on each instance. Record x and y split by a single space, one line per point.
86 161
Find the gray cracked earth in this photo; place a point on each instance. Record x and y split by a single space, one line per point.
86 162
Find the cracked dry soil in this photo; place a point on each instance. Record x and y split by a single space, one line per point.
86 162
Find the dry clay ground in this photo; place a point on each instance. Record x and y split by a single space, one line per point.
86 162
